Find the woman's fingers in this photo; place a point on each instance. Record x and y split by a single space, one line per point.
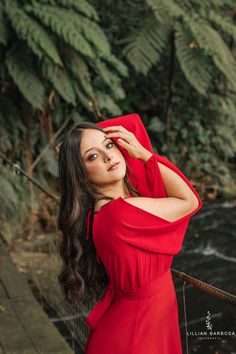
119 131
128 140
117 128
118 135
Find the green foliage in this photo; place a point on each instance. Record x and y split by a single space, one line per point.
80 6
213 44
146 45
4 33
30 31
112 81
223 23
25 78
12 127
165 10
197 43
65 24
80 71
55 37
185 84
191 60
50 162
56 62
106 102
60 80
13 195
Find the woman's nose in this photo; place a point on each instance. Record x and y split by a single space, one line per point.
108 156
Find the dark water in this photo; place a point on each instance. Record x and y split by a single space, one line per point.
209 254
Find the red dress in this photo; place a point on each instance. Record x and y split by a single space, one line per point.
138 313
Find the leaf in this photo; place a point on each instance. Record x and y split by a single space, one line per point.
105 101
30 31
191 59
80 71
116 64
60 80
4 31
110 78
146 45
25 79
209 40
65 24
81 6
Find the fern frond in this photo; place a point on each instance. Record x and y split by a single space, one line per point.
106 102
212 43
83 99
225 24
110 78
81 6
60 80
165 10
80 71
4 31
191 60
116 64
10 119
146 44
216 3
30 31
25 79
94 34
62 22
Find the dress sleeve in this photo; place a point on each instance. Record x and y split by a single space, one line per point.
147 231
156 185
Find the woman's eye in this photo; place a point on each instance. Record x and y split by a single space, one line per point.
90 157
110 144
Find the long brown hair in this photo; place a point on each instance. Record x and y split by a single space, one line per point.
82 278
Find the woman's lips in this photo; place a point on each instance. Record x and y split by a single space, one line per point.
114 167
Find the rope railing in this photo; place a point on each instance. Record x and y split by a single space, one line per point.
205 287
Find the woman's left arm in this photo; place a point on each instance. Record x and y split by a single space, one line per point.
175 186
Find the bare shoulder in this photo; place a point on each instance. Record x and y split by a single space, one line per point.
100 203
169 208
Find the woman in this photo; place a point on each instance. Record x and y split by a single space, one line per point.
124 211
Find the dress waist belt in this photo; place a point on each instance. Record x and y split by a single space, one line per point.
111 294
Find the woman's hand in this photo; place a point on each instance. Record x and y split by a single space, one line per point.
128 140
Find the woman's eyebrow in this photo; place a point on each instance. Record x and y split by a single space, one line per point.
93 147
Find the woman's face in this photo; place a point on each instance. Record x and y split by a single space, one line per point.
101 155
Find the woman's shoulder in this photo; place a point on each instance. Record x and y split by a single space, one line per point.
102 203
